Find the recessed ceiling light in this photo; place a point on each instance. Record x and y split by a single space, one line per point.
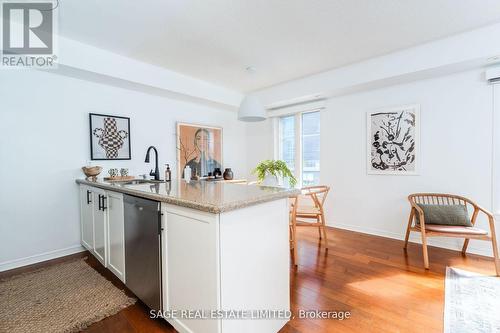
251 69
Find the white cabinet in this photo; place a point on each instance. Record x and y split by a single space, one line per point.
102 227
87 217
236 260
116 235
191 279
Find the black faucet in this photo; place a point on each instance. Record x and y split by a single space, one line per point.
156 174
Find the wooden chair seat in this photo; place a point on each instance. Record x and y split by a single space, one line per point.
452 229
308 211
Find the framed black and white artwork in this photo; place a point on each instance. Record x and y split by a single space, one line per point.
109 137
393 140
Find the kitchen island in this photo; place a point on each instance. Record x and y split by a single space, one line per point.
223 250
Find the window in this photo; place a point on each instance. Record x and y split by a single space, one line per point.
299 146
310 148
287 141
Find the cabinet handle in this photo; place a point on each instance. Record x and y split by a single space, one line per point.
88 197
100 205
160 214
104 202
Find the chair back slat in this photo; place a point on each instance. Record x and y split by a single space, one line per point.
317 193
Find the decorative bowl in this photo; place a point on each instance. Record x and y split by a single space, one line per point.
92 172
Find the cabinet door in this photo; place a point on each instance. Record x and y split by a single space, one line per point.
100 204
87 217
116 239
191 279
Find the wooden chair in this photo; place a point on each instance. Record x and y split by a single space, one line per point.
308 215
293 227
433 230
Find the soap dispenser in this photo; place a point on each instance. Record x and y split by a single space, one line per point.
168 174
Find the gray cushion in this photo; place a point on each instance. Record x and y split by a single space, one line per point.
445 215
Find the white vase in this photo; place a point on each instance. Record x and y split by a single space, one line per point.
286 182
270 180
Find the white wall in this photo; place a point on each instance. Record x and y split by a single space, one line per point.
45 141
260 144
496 151
456 153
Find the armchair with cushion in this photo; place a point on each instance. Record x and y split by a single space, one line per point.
446 215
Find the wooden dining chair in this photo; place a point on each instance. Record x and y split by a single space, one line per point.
314 215
303 214
294 201
416 222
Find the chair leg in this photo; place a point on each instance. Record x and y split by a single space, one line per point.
323 227
319 228
495 255
294 242
494 244
424 250
464 248
410 220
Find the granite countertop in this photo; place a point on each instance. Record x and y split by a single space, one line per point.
209 196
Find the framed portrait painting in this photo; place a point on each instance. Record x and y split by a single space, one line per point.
393 140
109 137
200 147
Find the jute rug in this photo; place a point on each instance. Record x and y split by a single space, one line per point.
63 298
472 302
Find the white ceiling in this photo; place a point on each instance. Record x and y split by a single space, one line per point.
215 40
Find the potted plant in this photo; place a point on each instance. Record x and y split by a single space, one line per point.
269 171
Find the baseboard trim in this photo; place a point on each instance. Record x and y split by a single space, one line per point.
445 243
16 263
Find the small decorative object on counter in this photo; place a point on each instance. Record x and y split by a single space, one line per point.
117 176
228 174
113 172
194 174
91 172
168 174
217 173
187 173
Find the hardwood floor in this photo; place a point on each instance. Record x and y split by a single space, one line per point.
384 289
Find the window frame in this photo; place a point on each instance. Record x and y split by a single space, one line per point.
298 161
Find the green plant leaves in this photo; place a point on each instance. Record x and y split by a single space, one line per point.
277 168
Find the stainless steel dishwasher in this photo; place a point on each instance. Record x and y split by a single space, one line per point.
143 250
